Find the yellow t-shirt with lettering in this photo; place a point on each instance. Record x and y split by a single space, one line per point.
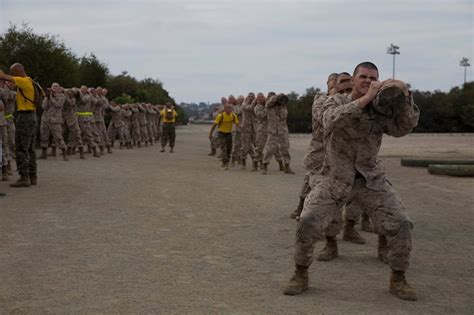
26 86
225 122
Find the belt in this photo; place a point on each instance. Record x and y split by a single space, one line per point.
168 123
25 111
84 114
8 117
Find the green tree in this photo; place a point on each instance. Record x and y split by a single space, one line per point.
45 57
92 72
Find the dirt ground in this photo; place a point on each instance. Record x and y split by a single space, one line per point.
139 231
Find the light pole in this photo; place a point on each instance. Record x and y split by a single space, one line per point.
393 50
464 63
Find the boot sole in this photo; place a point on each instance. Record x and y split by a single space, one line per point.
403 297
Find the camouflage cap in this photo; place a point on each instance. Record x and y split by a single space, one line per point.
389 101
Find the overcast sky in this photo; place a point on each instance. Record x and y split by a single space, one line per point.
202 50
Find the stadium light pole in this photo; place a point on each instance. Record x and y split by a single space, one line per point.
464 63
393 50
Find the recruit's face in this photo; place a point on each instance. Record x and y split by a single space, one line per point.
361 81
344 83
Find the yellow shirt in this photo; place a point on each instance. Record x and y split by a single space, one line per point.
166 120
225 121
26 86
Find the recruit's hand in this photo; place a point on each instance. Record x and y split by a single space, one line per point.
374 88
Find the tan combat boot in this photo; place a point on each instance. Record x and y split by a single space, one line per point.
64 155
254 166
44 154
89 149
297 212
400 287
329 252
264 168
243 164
81 153
171 149
53 151
298 283
281 166
109 149
365 224
24 181
33 179
288 170
382 249
226 166
162 149
102 152
350 234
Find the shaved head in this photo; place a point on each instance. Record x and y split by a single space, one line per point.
17 70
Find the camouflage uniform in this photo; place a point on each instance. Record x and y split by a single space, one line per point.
127 123
71 122
96 120
84 117
116 125
249 121
103 104
351 170
9 100
51 121
136 134
215 144
143 123
277 131
4 156
4 136
150 117
158 122
262 133
237 134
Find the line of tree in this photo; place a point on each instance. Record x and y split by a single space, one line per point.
440 112
47 59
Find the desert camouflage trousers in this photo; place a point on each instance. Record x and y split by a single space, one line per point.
116 132
74 138
51 129
86 132
5 156
248 144
323 205
236 144
276 143
261 139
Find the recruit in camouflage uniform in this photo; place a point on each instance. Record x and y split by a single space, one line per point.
262 132
136 135
351 170
237 132
150 117
84 117
51 121
103 104
96 107
71 122
249 126
3 140
116 129
277 132
143 124
127 124
9 100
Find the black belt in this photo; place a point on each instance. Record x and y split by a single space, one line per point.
25 111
